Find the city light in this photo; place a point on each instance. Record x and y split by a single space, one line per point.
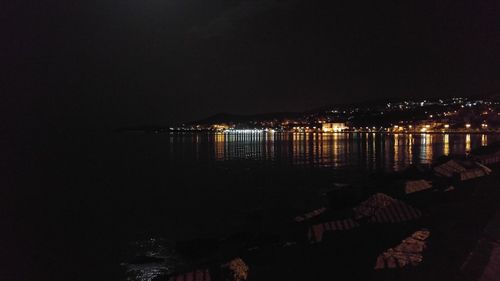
410 117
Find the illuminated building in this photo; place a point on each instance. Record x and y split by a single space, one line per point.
333 127
220 127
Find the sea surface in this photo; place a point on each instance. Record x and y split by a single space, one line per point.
354 151
84 206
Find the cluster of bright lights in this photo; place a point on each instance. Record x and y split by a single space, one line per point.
245 131
335 130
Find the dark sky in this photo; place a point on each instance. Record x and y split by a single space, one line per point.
111 63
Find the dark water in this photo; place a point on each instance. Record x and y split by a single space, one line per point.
360 151
76 206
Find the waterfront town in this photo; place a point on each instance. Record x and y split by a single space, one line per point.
452 115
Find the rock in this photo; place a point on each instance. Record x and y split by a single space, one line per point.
235 270
451 188
408 252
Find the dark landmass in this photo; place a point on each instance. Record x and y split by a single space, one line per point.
236 118
359 113
481 113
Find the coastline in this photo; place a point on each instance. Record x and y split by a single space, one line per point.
245 131
456 220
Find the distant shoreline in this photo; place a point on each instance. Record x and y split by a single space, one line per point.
332 133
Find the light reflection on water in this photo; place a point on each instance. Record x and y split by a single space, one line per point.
370 151
484 140
167 260
355 151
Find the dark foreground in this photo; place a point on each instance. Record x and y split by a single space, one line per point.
456 219
88 202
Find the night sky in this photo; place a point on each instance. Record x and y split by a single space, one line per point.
111 63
